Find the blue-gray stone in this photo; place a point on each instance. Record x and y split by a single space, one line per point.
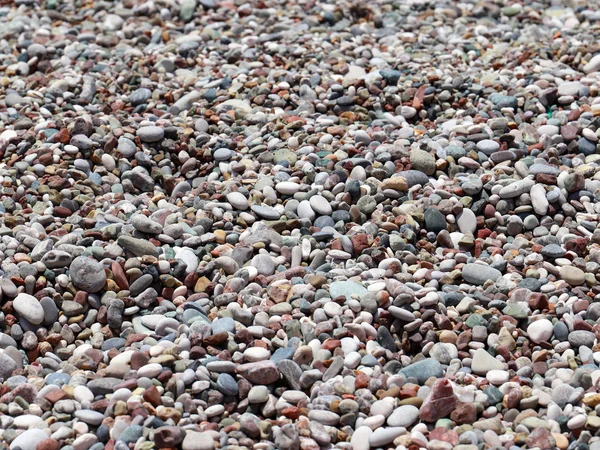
423 370
553 251
561 331
455 151
111 343
504 101
586 147
545 169
478 274
369 361
223 324
227 384
533 284
434 220
390 76
95 178
324 221
58 379
414 177
282 353
346 288
140 96
131 434
265 212
103 433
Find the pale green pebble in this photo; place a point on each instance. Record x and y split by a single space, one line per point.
290 241
97 252
533 422
444 423
146 446
180 366
188 229
285 154
466 201
112 231
590 279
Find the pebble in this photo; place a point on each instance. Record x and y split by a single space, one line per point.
150 134
28 307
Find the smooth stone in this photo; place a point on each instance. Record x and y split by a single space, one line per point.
29 439
540 331
467 221
423 370
383 436
265 212
572 275
483 362
28 307
360 438
320 205
150 134
422 161
347 289
403 416
238 200
87 274
478 274
197 441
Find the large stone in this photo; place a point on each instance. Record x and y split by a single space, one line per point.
29 439
483 362
347 289
87 274
403 416
435 221
261 372
540 331
423 370
572 275
478 274
593 65
150 134
197 441
28 307
138 247
440 402
7 365
422 161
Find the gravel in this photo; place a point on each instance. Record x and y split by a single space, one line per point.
233 225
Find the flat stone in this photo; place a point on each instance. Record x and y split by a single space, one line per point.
150 134
483 362
347 289
478 274
137 247
423 370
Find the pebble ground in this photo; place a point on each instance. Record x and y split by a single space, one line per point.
299 225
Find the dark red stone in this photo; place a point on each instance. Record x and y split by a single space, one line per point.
440 402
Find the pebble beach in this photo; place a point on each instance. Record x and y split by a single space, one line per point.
299 225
